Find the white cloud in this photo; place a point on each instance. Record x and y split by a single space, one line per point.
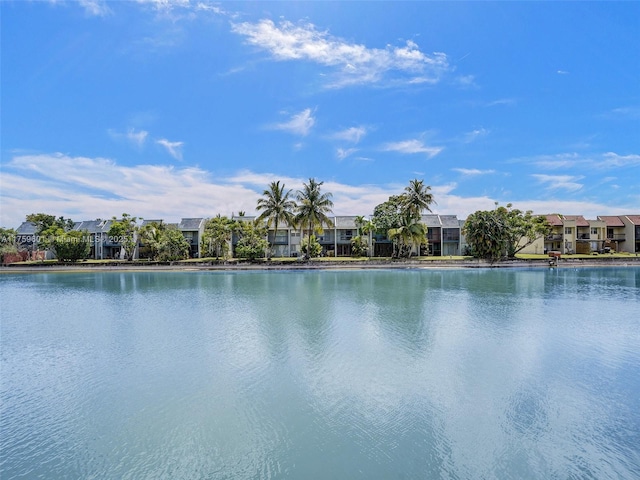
165 4
85 188
137 139
614 160
174 148
343 153
466 81
411 147
562 72
600 161
501 101
473 172
352 63
632 112
300 123
563 182
353 134
475 134
96 8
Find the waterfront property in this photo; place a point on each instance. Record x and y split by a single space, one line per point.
569 234
575 234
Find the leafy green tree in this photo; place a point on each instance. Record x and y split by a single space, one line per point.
502 232
47 227
485 232
124 231
313 207
216 239
388 215
524 228
173 246
151 236
8 242
276 206
70 246
251 243
310 247
43 221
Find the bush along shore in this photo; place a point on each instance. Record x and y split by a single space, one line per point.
327 263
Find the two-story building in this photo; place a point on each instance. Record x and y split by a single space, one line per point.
575 234
193 229
632 233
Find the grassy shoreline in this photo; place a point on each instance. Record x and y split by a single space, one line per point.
323 263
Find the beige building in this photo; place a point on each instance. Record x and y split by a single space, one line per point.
575 234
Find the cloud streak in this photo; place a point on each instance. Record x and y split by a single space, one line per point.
560 182
95 8
137 139
299 124
173 148
412 147
473 172
597 161
353 134
351 63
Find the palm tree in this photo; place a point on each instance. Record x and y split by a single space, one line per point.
410 232
313 207
359 222
217 236
417 197
276 207
151 238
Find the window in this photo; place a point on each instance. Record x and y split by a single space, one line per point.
567 230
594 230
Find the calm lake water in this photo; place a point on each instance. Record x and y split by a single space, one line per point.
452 374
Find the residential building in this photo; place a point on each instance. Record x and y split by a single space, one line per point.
101 246
615 235
575 234
193 230
632 232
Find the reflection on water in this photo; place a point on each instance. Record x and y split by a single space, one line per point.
334 374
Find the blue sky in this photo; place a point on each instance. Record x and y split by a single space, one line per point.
177 108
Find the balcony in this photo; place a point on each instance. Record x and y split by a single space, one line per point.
616 237
556 237
278 240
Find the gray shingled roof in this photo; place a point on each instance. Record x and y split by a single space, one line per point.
449 221
92 226
345 222
148 222
190 223
431 220
26 228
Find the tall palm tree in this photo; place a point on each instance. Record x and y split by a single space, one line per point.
313 206
276 206
410 232
359 222
417 197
